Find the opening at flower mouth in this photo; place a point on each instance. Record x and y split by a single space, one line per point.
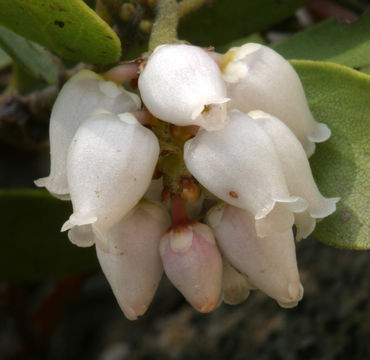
280 216
213 116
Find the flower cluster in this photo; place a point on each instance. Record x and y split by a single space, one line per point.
251 133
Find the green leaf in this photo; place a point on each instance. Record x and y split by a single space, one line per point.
31 245
5 59
331 40
222 21
67 27
340 97
30 56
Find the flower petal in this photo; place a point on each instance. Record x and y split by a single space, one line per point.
80 95
259 78
296 169
269 263
193 263
239 164
110 165
133 265
182 84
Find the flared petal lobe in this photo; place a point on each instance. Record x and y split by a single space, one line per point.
258 78
132 265
239 165
110 165
297 171
182 84
80 95
193 264
269 263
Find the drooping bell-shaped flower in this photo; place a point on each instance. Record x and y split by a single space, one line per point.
269 263
110 164
259 78
80 95
183 85
297 172
193 264
235 286
132 264
239 164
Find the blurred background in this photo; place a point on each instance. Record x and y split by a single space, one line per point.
56 304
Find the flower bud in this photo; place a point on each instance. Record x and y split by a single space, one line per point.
297 171
110 165
132 265
181 84
80 95
239 164
235 286
260 79
193 263
269 263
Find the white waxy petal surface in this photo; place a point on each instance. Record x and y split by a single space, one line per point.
239 165
193 263
110 165
269 263
260 79
132 265
83 93
296 169
182 84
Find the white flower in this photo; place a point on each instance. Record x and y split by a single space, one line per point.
297 172
269 263
193 263
80 95
181 84
239 165
132 264
260 79
110 164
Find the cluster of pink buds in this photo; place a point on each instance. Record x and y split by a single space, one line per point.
216 211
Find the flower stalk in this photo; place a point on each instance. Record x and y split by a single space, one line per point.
164 29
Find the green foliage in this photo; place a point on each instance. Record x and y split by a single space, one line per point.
331 40
31 246
222 21
68 27
340 97
30 56
5 60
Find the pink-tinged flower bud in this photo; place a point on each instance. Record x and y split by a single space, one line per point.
132 265
297 172
80 95
260 79
183 85
269 263
110 164
193 263
239 164
235 286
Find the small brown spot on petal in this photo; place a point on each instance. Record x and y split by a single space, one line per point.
233 194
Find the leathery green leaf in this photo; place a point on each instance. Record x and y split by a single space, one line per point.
5 59
68 27
34 59
331 40
340 97
31 245
222 21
